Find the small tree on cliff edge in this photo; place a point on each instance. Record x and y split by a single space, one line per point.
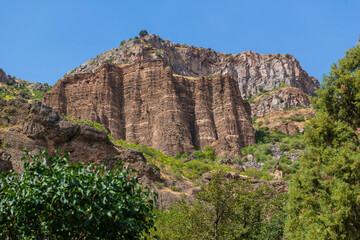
143 33
324 197
53 199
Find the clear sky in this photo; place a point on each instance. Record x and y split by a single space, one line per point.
41 40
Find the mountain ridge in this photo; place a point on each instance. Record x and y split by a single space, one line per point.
254 72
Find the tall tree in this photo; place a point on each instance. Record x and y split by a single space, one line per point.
324 196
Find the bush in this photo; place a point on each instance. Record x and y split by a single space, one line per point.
143 33
253 172
53 199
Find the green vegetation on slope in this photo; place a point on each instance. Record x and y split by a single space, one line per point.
266 143
194 166
26 90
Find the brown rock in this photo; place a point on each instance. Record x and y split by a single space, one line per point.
254 72
280 99
147 104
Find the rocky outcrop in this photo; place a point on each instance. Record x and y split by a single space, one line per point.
35 126
10 87
279 99
7 79
146 103
254 72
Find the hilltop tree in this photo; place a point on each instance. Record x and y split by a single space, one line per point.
143 33
324 200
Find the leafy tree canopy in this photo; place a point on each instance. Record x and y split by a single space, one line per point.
143 33
324 200
52 199
225 209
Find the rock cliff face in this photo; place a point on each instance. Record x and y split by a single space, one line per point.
254 72
146 103
279 99
177 98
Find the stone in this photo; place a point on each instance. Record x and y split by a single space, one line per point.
279 99
7 79
253 71
146 103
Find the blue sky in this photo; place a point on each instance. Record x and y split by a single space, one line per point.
41 40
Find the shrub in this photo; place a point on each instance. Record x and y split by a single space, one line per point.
53 199
143 33
253 172
122 42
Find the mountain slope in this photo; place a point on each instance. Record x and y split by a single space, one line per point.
254 72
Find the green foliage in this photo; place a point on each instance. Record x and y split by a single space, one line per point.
3 144
262 151
143 33
225 209
53 199
297 118
253 172
158 54
122 42
203 161
263 135
98 126
37 95
324 195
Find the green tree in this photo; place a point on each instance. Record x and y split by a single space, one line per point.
143 33
324 197
53 199
225 209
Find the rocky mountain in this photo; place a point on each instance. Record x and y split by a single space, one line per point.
35 126
175 98
148 104
279 99
254 72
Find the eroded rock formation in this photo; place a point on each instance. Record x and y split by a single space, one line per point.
146 103
35 126
254 72
279 99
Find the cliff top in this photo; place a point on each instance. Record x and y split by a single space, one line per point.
264 72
